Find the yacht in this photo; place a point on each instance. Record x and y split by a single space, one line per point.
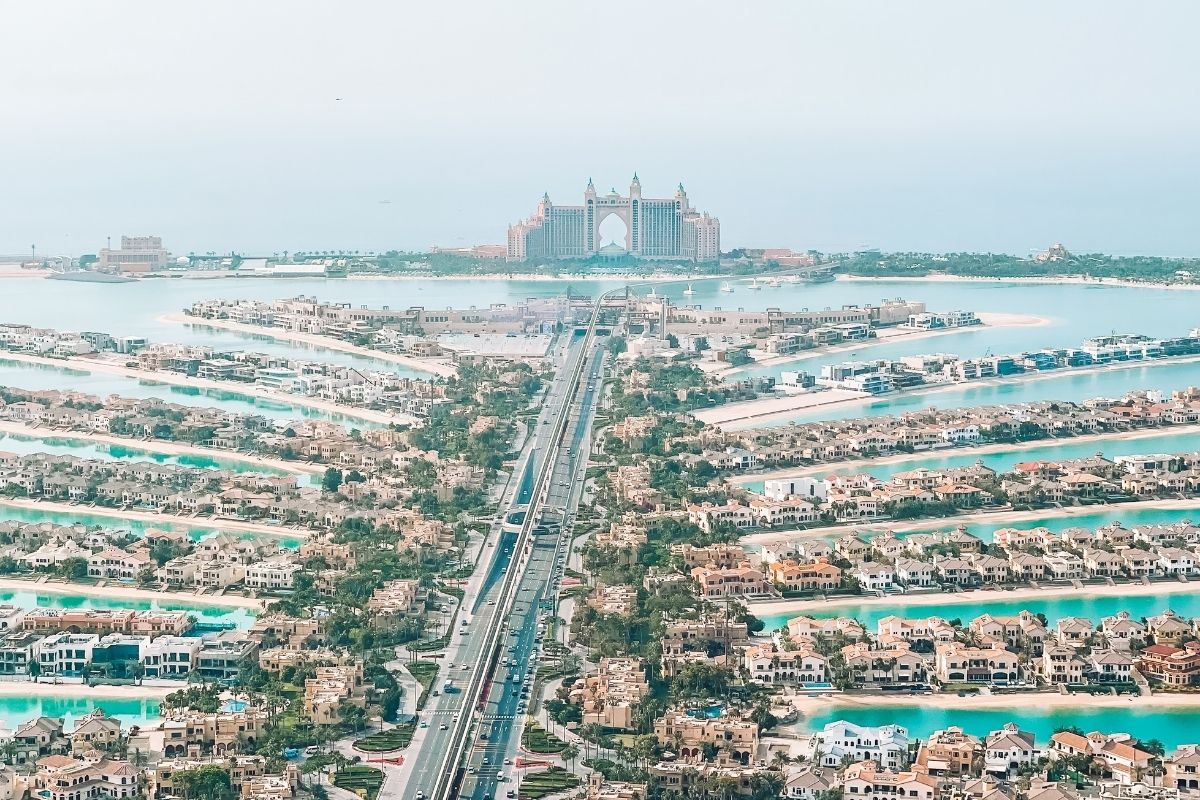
726 286
689 291
754 284
652 295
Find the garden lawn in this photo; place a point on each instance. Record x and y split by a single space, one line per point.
359 777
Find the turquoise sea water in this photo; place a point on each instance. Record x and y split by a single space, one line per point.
15 710
32 598
1067 604
1171 726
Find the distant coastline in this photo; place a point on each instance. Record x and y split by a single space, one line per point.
1059 280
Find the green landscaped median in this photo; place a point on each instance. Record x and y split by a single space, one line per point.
551 781
396 738
536 739
426 673
367 778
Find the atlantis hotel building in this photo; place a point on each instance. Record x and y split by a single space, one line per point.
652 228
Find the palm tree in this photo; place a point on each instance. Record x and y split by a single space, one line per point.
569 754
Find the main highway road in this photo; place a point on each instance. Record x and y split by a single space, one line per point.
494 647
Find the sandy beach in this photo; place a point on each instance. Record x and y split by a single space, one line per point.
946 523
433 366
809 705
167 521
736 416
866 464
777 405
45 687
121 592
979 596
175 379
17 271
1056 280
161 447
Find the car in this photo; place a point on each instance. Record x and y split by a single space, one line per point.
420 795
507 761
311 750
442 727
500 776
424 724
486 761
511 793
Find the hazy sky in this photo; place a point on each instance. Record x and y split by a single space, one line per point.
901 125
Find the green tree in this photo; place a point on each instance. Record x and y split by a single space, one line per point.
209 782
332 479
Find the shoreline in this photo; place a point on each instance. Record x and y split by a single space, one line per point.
174 379
809 706
44 688
158 447
945 523
745 420
982 450
167 521
121 592
1060 280
533 277
433 367
978 596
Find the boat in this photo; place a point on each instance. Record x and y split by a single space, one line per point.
774 283
689 291
726 286
86 276
652 295
754 284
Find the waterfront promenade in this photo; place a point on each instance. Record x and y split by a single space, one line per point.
924 458
248 390
121 592
781 409
910 604
945 523
161 447
160 520
429 365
